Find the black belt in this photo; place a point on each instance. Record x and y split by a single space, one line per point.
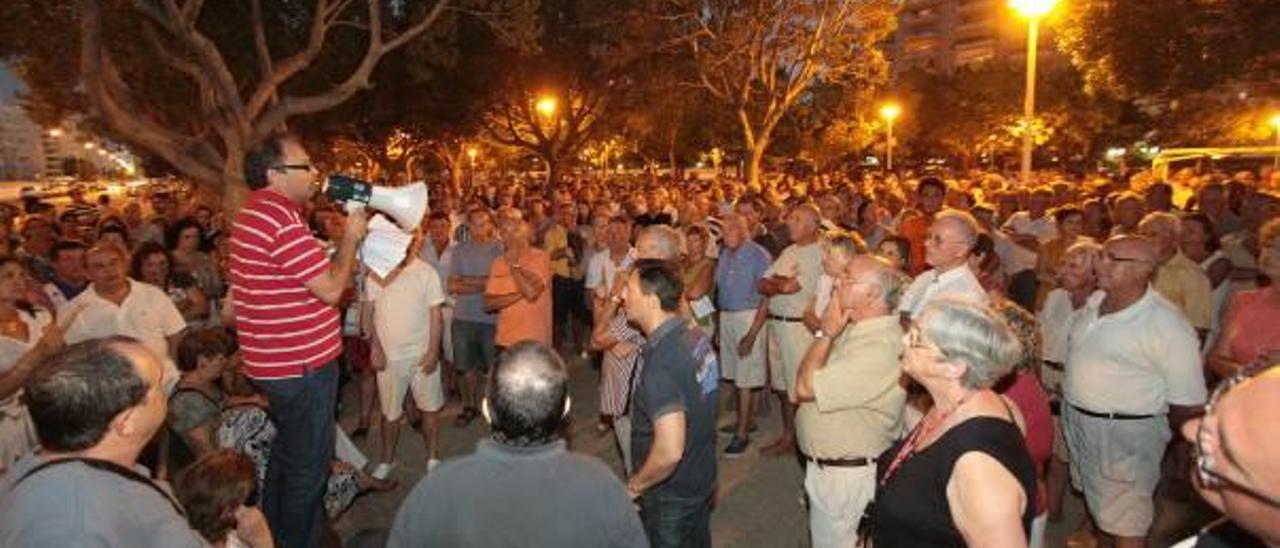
784 318
1110 416
840 463
1056 366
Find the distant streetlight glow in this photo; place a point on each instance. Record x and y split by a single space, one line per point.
55 132
890 113
546 106
1275 123
89 146
1033 10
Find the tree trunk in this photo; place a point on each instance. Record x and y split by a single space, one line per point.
755 160
553 173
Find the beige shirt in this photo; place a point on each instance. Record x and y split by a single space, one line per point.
1186 286
858 401
805 263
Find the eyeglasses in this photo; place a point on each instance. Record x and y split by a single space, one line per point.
1209 476
299 167
916 339
1117 259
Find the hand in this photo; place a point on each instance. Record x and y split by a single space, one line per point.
632 492
251 527
377 359
357 225
51 340
745 344
834 320
429 363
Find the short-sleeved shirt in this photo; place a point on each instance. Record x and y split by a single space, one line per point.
523 319
402 309
474 260
738 274
1055 319
602 270
1044 228
1186 286
73 504
805 262
673 379
557 238
283 328
858 400
959 282
1137 361
147 314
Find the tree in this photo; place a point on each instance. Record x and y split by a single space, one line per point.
199 86
760 57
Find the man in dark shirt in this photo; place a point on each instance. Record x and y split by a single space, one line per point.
673 413
522 487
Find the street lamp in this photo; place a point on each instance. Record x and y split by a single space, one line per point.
546 106
890 112
1275 124
1033 10
472 152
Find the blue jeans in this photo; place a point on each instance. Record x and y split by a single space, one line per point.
303 412
676 522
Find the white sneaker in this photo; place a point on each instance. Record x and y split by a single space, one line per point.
432 464
382 470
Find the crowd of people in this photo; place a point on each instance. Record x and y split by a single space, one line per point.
946 355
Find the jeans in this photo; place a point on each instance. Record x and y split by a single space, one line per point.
302 410
676 522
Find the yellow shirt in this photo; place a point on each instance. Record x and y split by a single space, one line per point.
858 402
1186 286
557 238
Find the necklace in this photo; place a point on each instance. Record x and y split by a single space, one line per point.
908 448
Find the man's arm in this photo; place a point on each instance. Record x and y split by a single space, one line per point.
431 360
466 285
329 286
664 456
814 358
528 283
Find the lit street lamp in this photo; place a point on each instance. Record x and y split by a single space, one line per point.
890 112
546 106
1275 124
1033 10
472 152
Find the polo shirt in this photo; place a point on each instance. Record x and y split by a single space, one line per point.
1136 361
858 401
283 328
147 314
738 274
1182 281
402 308
805 262
523 319
74 504
959 282
541 496
474 260
674 379
1055 319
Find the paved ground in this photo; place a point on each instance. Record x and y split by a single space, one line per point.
759 497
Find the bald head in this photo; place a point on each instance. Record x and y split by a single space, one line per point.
527 395
658 242
1127 263
1163 229
802 223
871 287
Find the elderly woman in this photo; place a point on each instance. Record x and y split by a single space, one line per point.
1248 328
969 444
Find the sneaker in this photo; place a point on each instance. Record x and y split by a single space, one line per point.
432 464
382 470
732 428
737 446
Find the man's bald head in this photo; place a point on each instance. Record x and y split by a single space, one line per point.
528 392
658 242
1127 263
803 222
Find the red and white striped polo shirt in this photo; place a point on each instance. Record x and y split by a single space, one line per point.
283 328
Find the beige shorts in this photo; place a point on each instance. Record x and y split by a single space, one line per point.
788 341
402 377
748 372
1116 463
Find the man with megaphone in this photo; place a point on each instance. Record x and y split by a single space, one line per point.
284 288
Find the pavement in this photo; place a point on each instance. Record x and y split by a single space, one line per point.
759 497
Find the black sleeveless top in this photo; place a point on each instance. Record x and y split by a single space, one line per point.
912 509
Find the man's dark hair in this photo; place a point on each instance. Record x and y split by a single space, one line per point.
209 342
265 156
527 394
657 277
64 245
931 182
174 233
74 394
438 216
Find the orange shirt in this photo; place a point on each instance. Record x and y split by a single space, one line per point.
523 320
916 229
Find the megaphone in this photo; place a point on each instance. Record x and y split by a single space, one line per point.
406 204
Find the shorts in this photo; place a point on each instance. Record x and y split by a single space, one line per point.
403 376
473 346
1116 463
748 372
788 341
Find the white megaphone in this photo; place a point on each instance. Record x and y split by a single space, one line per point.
406 204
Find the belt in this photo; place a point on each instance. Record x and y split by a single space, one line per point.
1056 366
841 463
1110 416
784 318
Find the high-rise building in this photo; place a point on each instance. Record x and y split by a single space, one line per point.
21 150
944 35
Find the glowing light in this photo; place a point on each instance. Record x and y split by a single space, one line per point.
1033 9
890 111
546 106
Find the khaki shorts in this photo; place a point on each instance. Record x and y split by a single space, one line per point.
788 341
402 377
748 372
1116 463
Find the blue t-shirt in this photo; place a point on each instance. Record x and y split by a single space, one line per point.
473 259
738 272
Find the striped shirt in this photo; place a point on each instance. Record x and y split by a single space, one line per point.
282 327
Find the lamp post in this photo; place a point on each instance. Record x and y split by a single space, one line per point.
1033 10
889 112
546 106
471 155
1275 124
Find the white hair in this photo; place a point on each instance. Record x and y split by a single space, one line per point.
971 333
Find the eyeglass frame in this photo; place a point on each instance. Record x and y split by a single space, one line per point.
1207 476
310 168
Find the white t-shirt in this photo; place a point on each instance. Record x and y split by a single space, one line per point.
1055 319
822 295
1136 361
601 270
803 262
146 314
402 309
959 282
1044 228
